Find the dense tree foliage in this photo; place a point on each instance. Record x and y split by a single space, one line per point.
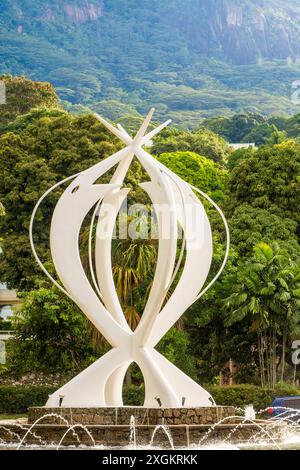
41 150
249 224
22 95
255 128
236 127
202 141
251 314
269 179
198 171
267 289
51 335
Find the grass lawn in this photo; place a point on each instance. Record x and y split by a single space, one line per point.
5 416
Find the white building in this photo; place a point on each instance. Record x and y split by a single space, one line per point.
8 299
243 146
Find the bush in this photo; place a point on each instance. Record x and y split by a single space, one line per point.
243 395
134 395
5 325
17 399
237 395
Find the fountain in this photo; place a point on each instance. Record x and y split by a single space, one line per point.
89 409
54 431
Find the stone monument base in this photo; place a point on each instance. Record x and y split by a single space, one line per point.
115 427
142 416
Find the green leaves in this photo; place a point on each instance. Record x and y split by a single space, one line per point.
200 142
45 147
197 170
263 252
265 288
51 334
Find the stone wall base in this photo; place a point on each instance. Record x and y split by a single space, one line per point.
122 416
120 436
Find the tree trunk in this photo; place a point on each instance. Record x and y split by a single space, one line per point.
268 358
261 359
283 353
128 378
273 355
295 372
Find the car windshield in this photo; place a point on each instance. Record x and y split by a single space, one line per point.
291 403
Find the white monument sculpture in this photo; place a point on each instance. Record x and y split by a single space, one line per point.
100 385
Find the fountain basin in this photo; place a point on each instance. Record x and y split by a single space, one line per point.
142 416
183 436
120 427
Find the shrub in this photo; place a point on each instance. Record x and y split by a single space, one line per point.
5 325
134 395
243 395
17 399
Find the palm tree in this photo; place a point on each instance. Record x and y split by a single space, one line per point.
134 266
267 290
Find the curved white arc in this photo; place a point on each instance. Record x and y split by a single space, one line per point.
227 242
91 249
161 195
109 212
197 264
156 383
173 175
89 176
66 222
211 201
107 163
114 386
39 262
107 218
67 219
183 385
183 245
87 389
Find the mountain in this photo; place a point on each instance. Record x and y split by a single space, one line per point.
190 58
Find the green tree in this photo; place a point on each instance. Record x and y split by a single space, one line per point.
201 141
236 127
22 95
265 134
51 335
42 150
268 179
238 155
267 290
249 225
198 171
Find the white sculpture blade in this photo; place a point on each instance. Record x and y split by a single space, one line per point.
101 383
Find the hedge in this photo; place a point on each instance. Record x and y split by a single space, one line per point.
5 325
17 399
237 395
243 395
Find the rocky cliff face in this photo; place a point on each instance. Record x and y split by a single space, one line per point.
86 12
243 30
78 11
240 31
